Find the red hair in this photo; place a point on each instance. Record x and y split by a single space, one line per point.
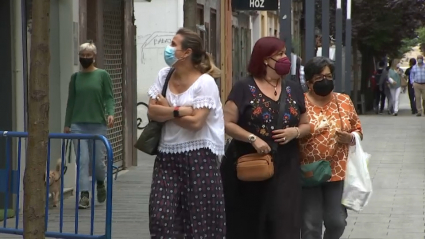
264 48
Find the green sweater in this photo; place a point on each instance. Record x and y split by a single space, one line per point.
90 98
396 77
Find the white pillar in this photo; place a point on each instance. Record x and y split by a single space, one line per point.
17 65
68 45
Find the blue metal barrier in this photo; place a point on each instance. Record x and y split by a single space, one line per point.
10 184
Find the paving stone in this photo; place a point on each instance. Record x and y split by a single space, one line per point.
396 210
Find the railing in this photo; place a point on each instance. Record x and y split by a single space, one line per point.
10 184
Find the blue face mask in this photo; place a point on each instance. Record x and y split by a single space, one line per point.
170 55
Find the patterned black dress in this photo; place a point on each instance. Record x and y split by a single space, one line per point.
268 209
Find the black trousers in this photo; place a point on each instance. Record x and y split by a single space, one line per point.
379 97
412 99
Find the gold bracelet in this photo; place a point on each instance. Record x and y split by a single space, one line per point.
298 132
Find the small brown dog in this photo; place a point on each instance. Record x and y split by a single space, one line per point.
55 182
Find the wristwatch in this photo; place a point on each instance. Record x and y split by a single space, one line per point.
252 138
176 112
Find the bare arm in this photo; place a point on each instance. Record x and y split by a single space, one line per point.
164 112
231 117
194 121
304 125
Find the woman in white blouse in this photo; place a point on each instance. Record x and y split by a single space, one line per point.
186 197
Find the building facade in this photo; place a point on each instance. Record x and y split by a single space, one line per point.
109 24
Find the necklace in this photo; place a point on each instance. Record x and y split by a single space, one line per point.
275 91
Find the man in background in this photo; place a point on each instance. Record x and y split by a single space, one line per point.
410 89
417 78
378 93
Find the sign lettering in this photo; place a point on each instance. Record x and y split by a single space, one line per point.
256 3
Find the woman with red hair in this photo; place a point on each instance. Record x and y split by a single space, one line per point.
270 208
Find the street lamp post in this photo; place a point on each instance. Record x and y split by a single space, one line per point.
348 50
310 30
325 28
338 48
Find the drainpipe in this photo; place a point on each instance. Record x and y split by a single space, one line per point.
25 61
180 12
226 48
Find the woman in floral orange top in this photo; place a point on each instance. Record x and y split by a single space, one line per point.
333 119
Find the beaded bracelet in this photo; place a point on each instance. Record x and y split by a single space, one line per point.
298 132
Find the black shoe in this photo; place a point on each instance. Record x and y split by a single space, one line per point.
419 114
101 192
395 114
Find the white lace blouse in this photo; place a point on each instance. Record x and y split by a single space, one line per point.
203 93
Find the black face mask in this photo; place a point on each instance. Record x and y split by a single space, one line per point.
323 87
86 62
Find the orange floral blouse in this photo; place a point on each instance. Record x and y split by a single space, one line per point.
324 122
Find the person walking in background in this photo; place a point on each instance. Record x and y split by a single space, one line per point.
417 79
186 198
384 86
410 90
90 109
395 85
379 94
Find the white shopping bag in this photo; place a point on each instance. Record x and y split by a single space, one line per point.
357 185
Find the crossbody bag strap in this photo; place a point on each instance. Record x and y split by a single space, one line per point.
167 79
282 109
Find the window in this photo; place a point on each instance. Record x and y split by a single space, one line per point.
213 34
200 18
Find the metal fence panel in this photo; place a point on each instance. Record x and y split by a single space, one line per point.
56 220
113 17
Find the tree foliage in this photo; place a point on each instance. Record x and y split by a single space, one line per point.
380 26
421 38
407 45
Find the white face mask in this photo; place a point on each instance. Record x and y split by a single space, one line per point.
420 61
398 65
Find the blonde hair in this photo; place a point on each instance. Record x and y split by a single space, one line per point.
395 62
202 60
208 66
88 46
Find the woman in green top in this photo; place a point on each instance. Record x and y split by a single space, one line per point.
89 110
395 84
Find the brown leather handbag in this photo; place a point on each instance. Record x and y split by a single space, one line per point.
255 167
259 167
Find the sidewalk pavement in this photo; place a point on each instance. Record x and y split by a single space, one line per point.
396 210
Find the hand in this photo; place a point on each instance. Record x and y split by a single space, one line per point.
261 146
110 121
343 137
160 100
283 136
67 130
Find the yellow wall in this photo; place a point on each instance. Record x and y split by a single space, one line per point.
269 20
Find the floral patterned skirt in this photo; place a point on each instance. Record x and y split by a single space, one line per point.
187 196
